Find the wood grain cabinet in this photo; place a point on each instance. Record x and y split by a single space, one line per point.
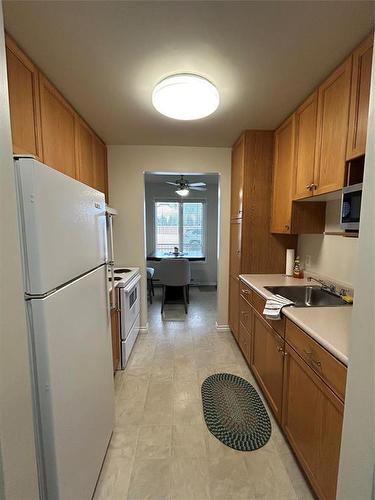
288 216
23 87
267 362
304 152
100 166
237 177
312 421
359 100
85 153
332 130
58 121
233 313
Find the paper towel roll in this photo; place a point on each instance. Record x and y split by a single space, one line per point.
289 265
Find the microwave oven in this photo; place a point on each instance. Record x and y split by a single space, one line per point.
351 207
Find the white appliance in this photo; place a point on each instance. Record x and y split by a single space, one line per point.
129 306
63 239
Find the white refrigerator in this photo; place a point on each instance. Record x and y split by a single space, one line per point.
64 249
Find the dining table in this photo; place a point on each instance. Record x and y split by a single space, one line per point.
192 256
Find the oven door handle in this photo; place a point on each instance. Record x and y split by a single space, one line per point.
128 288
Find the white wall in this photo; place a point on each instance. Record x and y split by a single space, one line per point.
331 256
18 475
202 272
357 463
127 165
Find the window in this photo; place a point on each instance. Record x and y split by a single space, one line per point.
180 224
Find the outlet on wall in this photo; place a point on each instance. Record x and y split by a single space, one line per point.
307 261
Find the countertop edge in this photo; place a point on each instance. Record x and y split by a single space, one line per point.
288 312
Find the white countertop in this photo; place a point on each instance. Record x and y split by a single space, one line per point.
330 326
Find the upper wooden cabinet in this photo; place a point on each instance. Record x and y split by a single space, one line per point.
305 130
359 100
100 166
58 130
283 176
23 86
85 153
332 130
238 167
46 126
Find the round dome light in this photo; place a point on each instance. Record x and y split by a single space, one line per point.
185 97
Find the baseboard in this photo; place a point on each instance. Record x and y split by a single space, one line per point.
222 328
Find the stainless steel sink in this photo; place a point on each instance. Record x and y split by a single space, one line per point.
308 296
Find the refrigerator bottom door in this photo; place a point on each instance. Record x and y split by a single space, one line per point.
70 337
128 344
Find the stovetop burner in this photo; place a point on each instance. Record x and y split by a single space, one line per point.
116 278
123 270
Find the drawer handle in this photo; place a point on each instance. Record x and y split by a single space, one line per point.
311 359
246 292
280 349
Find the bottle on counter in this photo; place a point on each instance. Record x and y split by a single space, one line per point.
297 270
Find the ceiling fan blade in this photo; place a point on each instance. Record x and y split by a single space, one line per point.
172 183
197 184
197 188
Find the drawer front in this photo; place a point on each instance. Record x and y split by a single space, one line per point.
324 364
245 342
258 303
246 292
245 314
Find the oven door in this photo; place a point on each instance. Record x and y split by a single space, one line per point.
130 305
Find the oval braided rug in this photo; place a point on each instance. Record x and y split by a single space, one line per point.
234 412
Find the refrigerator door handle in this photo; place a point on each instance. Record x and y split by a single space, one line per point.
112 260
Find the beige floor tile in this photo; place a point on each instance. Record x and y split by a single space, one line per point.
160 390
158 412
189 479
150 480
114 478
186 389
154 441
129 411
124 441
188 441
187 412
228 479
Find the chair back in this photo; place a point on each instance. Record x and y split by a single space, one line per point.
174 272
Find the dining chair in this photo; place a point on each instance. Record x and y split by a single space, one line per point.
150 283
175 273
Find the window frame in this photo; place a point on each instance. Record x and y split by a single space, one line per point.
180 218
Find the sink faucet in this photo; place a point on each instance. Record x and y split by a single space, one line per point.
329 287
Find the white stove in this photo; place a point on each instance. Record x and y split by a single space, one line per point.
127 284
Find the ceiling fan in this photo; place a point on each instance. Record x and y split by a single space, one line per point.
183 186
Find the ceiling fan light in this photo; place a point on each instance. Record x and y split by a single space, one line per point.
185 97
182 191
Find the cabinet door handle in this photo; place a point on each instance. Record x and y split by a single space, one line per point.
280 349
311 359
314 186
246 292
309 186
287 227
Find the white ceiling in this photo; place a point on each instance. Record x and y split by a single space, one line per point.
264 57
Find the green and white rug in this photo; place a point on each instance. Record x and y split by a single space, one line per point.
234 412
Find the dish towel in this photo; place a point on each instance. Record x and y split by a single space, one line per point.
273 306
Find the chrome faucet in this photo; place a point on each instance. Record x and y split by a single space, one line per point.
329 287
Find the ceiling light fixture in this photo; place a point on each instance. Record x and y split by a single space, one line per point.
185 97
182 191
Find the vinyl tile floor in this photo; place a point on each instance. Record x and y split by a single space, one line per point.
161 448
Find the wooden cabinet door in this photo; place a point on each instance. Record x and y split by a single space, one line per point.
282 177
267 361
359 100
303 178
58 130
100 166
237 179
332 130
85 153
245 341
115 338
312 421
23 87
235 248
234 296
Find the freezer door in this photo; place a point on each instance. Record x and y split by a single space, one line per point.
63 226
72 358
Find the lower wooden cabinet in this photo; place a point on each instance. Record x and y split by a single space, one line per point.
312 421
234 287
267 362
245 342
115 333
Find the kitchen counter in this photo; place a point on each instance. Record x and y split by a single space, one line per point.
330 326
